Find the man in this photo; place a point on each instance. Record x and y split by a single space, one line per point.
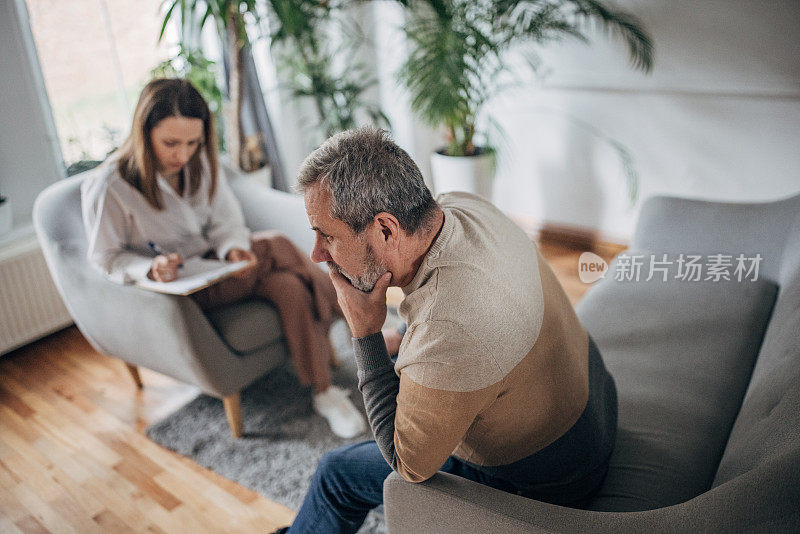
496 379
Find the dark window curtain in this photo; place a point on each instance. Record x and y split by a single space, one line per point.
255 118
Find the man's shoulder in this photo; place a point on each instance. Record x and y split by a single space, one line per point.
468 203
479 312
481 230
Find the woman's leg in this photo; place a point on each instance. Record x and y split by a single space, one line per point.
306 336
307 305
347 484
277 253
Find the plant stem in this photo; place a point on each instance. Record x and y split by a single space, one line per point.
235 84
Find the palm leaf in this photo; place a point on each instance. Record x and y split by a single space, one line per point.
640 44
167 16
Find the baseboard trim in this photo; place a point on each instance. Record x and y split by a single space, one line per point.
568 236
572 237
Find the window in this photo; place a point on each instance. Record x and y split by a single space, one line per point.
95 56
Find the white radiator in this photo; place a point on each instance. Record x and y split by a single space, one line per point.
30 306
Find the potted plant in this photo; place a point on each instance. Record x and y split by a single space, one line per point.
306 58
5 215
456 59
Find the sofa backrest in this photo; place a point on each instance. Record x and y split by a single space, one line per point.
768 424
706 371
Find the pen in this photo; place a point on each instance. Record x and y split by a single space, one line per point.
158 251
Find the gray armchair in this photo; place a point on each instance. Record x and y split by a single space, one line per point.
708 376
221 352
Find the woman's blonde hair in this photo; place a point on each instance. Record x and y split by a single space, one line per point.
162 98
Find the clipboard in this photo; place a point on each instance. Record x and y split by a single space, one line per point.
196 274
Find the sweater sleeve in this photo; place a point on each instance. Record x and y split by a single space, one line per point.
105 220
417 426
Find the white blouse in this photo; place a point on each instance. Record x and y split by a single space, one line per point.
121 224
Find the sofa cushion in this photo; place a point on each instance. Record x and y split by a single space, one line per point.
247 325
681 354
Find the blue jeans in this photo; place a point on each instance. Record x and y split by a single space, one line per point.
348 483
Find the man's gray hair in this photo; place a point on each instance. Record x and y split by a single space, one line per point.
367 173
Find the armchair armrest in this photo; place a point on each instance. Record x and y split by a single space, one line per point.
174 337
763 499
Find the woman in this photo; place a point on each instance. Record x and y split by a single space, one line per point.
160 198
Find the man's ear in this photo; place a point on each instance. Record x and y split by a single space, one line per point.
389 228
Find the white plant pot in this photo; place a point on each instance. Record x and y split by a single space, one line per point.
5 217
472 174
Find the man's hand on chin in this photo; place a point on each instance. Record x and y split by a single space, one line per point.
365 312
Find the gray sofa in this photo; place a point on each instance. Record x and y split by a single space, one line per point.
708 375
221 351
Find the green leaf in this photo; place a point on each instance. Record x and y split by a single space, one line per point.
167 16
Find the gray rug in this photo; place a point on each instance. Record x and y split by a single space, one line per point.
283 436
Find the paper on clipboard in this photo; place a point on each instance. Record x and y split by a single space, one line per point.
196 274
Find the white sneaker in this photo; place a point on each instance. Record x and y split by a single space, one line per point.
334 405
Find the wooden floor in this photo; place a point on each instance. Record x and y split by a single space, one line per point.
74 457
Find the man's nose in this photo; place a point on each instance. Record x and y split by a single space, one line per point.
319 253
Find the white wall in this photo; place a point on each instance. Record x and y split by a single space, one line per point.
719 117
30 159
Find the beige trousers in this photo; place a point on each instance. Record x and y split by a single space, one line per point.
303 294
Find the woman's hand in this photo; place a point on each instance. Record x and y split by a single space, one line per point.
238 254
165 267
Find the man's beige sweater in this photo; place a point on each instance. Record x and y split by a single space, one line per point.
494 366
